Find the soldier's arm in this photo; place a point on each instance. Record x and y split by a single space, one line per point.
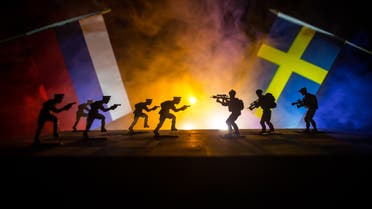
105 109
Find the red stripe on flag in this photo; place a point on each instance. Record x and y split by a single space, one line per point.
48 58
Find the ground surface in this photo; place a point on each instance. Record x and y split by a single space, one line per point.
189 169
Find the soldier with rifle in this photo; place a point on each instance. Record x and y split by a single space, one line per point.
311 103
266 102
235 106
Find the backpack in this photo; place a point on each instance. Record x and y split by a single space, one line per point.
236 105
270 100
240 104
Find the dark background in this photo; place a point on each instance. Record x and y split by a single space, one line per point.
344 19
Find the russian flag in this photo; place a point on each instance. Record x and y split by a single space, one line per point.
74 57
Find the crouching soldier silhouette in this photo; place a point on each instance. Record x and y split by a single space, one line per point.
94 113
138 112
81 113
310 102
266 102
164 113
235 106
46 115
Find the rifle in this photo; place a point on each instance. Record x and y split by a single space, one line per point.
253 105
69 105
299 103
224 97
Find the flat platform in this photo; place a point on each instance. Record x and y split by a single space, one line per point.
189 169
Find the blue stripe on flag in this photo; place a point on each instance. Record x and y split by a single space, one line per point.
79 65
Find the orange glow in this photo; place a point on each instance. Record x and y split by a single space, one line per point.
192 100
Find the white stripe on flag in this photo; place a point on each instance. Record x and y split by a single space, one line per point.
99 46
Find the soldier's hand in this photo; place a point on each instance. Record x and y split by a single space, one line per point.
113 107
68 106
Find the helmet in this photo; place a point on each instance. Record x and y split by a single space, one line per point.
303 90
58 97
259 91
178 99
232 92
148 101
106 98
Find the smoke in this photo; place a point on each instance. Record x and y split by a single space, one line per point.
345 96
184 48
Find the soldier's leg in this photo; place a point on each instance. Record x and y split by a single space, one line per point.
103 122
263 120
146 118
161 121
263 127
229 124
307 120
54 119
173 118
133 123
271 126
40 126
78 116
234 125
311 119
88 124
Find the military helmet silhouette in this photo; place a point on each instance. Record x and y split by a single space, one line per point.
303 90
59 96
106 99
259 91
148 101
232 92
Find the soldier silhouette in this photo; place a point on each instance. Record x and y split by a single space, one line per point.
94 113
311 103
266 102
81 113
138 112
46 115
235 106
164 113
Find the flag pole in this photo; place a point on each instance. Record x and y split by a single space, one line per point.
300 22
53 25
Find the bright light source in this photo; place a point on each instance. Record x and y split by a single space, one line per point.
187 126
219 122
192 100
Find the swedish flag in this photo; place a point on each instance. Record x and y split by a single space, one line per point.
294 56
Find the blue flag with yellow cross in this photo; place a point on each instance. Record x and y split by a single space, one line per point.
291 57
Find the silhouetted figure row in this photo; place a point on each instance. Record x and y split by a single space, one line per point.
91 109
164 113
